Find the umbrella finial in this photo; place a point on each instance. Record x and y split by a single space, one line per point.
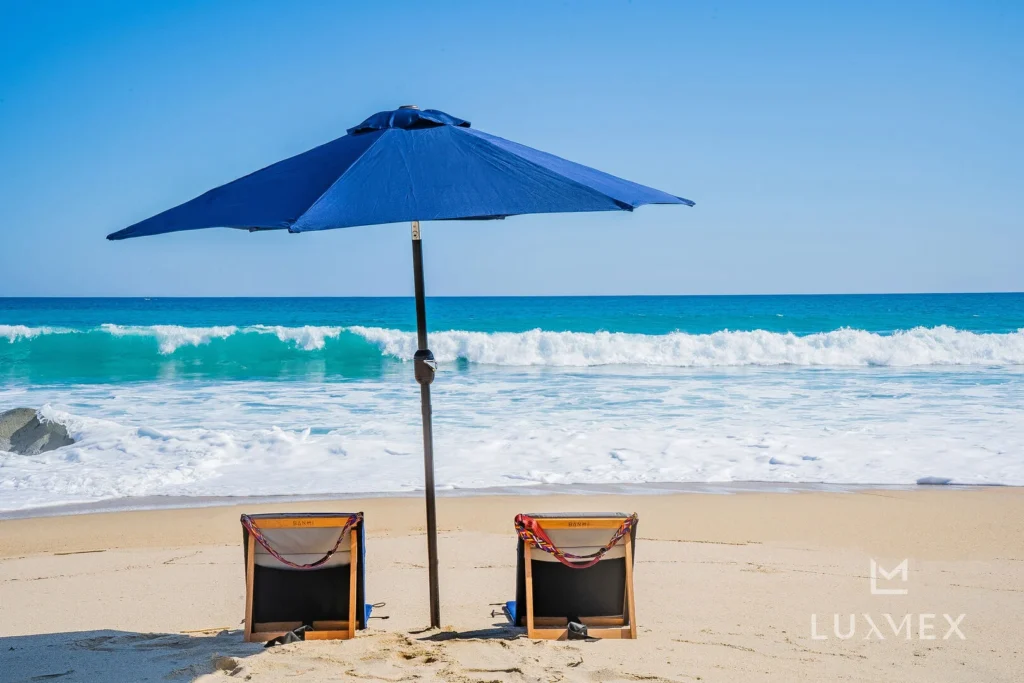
408 117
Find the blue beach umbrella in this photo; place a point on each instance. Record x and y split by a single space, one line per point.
405 165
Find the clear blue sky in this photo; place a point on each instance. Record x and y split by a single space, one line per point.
830 147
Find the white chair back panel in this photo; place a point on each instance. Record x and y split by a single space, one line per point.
304 546
580 542
619 551
339 559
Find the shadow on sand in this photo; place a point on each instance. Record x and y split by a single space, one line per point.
124 656
119 656
499 632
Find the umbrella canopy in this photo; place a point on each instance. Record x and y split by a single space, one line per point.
405 165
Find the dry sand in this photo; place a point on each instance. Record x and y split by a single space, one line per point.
726 587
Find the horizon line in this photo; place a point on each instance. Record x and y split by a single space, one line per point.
517 296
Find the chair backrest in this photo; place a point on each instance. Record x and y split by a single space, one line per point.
562 592
305 545
279 593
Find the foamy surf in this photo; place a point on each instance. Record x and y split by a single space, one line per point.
170 338
920 346
845 347
14 333
522 427
314 397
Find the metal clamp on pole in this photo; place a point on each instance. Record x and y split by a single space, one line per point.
425 366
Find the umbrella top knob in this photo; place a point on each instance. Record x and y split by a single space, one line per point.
407 117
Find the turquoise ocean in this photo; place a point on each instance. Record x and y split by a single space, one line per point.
241 397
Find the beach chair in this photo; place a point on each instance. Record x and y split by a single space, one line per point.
306 572
574 576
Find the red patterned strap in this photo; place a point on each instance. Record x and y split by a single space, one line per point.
530 530
257 533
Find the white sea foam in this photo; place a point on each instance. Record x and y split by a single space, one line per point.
844 347
522 426
13 333
920 346
172 337
307 338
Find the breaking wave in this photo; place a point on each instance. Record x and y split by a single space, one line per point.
13 333
844 347
258 347
172 337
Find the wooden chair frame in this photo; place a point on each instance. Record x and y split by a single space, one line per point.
322 630
622 626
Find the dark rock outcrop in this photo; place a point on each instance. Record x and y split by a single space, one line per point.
22 432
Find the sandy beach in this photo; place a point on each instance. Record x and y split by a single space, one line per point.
729 587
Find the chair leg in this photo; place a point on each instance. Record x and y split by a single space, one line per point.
528 565
353 580
630 611
250 575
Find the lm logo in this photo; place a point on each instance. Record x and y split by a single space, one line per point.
900 569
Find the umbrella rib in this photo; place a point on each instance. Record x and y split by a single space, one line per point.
515 146
337 180
625 206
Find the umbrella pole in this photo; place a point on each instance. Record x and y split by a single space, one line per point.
424 366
